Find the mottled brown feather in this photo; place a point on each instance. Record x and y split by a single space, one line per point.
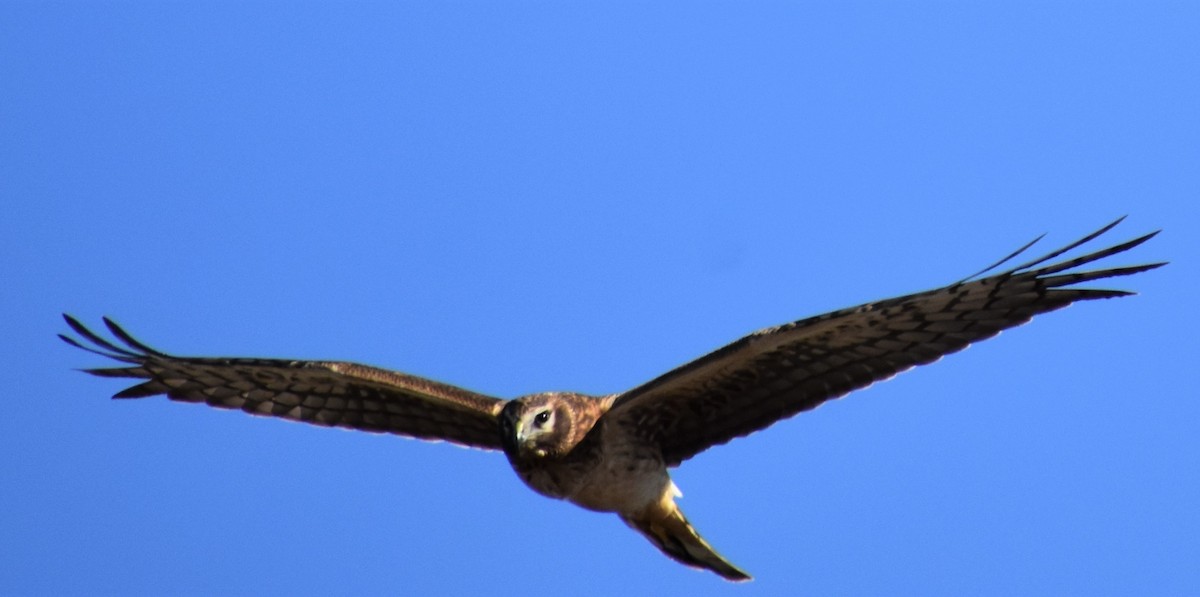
322 393
778 372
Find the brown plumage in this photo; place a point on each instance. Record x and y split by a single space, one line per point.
611 453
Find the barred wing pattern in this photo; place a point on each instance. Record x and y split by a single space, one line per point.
331 394
778 372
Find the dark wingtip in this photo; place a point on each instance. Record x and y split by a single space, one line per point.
116 372
70 340
95 339
1004 260
123 357
737 576
1152 234
1091 257
143 390
1107 294
1080 242
76 325
127 338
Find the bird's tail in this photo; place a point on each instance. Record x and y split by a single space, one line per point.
676 537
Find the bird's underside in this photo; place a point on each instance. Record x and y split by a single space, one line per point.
612 453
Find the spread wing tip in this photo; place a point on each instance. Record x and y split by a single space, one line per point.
1037 265
105 348
128 339
134 350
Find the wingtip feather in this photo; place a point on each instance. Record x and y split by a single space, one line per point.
128 338
96 339
142 390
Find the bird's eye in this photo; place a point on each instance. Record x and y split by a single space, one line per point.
541 418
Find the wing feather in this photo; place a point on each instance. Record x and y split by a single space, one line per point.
319 392
778 372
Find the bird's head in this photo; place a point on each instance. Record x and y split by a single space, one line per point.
537 426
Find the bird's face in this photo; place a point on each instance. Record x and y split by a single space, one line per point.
537 426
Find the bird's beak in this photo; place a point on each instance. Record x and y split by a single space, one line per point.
524 444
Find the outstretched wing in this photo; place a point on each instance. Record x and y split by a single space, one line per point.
318 392
778 372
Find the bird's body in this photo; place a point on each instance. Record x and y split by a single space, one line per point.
575 467
613 453
562 446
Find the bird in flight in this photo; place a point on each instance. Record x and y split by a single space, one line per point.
612 453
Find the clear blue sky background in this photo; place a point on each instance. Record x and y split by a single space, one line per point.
524 196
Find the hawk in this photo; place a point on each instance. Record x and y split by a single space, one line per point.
612 453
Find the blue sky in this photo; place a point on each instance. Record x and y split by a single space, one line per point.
526 196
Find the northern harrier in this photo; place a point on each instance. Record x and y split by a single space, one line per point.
611 453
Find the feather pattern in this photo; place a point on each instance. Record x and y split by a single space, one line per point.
331 394
778 372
